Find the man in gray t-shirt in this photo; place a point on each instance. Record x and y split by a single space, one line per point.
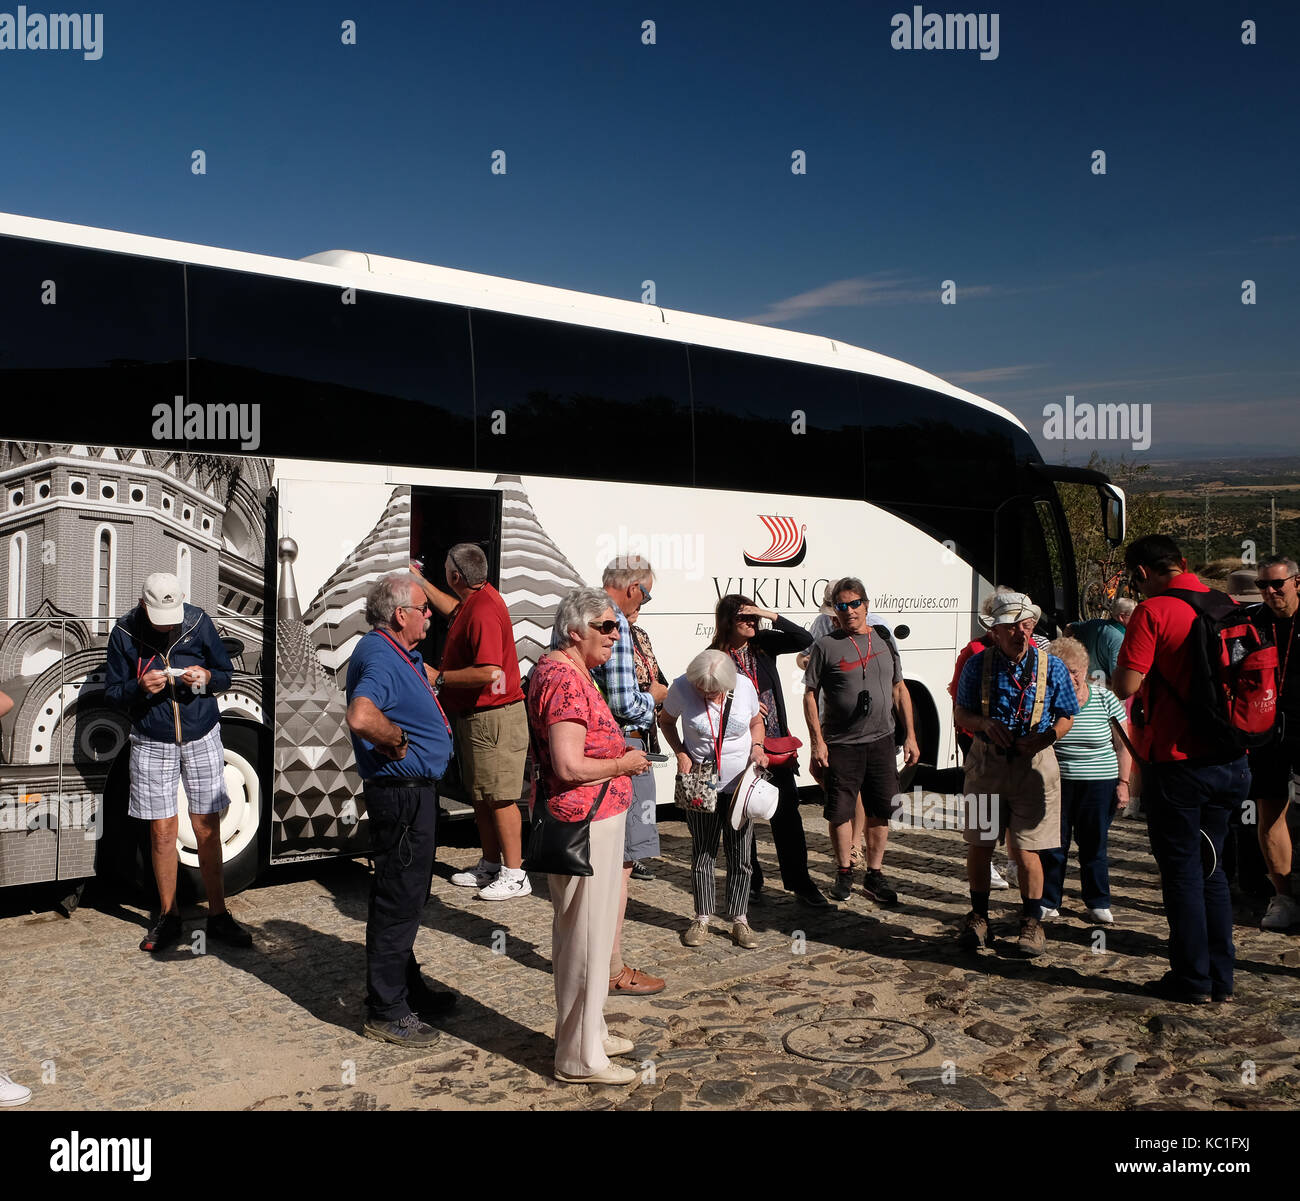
858 676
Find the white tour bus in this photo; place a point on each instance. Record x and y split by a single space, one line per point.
280 434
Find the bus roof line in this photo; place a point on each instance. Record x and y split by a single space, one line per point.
451 285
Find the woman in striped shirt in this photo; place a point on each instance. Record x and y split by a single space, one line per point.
1095 766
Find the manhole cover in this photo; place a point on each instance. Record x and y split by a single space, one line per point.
858 1040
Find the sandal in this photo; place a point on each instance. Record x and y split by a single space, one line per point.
632 983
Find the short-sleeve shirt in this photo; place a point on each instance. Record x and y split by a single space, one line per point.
701 720
1102 638
1087 752
399 688
480 634
1013 690
1157 643
840 666
560 692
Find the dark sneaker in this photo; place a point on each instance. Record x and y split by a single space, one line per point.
1033 938
842 887
165 932
430 1003
1167 988
875 888
405 1032
812 897
225 929
975 933
641 871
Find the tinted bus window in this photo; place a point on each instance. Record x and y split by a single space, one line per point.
558 399
89 335
383 380
768 425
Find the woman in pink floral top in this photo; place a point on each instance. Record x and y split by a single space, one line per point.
583 763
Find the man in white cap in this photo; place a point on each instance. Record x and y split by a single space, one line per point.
165 663
1018 701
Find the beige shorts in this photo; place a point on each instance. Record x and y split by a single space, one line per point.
1021 796
491 745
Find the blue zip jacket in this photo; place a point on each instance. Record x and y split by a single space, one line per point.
177 713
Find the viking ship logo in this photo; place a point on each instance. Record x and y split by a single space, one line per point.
787 549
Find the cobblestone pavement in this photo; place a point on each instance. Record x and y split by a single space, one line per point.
277 1027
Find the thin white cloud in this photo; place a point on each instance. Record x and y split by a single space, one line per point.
987 375
859 291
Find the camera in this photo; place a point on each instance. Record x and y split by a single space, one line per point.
863 707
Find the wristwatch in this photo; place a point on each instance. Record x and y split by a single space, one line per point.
437 684
403 742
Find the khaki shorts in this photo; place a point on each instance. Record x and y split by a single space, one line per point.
1021 796
491 745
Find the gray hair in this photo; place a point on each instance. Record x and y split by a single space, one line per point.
848 583
575 609
1122 606
1280 561
625 571
712 671
386 594
1069 651
469 562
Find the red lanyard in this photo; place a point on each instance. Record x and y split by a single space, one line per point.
744 659
1024 691
862 662
718 737
423 678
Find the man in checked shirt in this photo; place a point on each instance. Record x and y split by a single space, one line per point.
628 581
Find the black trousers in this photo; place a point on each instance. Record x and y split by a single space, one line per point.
787 834
404 836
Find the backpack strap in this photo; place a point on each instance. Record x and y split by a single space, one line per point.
986 681
1040 688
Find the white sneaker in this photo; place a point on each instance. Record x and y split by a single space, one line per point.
13 1094
507 886
478 876
1103 917
1044 914
995 878
1283 912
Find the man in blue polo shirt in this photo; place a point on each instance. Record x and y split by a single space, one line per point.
402 745
1018 701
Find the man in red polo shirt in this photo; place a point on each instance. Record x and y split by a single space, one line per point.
1190 785
478 685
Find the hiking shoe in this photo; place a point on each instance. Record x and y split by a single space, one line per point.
1033 938
1282 913
13 1094
842 887
812 897
479 876
164 933
641 870
405 1032
743 936
224 928
875 888
995 878
975 933
695 933
1103 917
1045 914
506 888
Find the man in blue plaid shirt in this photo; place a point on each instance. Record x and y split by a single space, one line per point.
628 581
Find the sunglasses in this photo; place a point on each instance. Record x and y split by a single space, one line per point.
746 619
845 606
605 627
645 595
1266 585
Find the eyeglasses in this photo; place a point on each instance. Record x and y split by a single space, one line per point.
645 593
425 608
845 606
1278 585
605 627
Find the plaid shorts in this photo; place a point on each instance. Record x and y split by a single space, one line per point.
158 767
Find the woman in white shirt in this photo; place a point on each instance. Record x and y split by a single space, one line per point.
699 699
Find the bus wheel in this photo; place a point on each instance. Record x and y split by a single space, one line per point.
239 823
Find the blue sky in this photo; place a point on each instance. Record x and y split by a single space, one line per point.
671 162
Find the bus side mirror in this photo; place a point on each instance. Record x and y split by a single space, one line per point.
1112 513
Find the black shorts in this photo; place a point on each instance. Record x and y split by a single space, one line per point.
1271 767
869 768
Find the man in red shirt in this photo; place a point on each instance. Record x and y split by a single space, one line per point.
1191 785
478 685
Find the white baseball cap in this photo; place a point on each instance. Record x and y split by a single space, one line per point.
163 599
